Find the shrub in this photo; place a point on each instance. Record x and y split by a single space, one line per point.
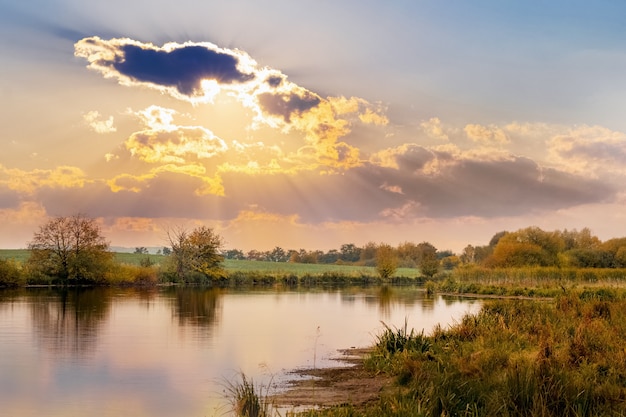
10 273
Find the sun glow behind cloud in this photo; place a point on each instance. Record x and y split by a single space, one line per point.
216 137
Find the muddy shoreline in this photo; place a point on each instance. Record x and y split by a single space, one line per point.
347 383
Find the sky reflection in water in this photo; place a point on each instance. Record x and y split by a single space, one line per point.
168 352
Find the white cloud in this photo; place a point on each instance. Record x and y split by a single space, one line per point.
93 119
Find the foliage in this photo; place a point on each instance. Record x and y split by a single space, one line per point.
386 261
10 273
70 250
127 274
195 255
429 263
535 247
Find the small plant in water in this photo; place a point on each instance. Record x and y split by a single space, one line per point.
395 340
248 399
317 336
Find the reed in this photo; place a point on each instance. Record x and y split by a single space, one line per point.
559 357
248 399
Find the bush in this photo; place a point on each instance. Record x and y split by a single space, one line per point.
124 274
10 273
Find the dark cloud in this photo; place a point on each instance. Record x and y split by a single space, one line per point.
465 188
167 195
286 105
9 199
183 68
370 192
494 188
274 81
603 151
415 158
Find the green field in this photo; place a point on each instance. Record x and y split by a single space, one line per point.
19 255
284 268
264 267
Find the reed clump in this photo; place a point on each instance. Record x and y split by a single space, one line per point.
560 357
248 399
527 281
564 357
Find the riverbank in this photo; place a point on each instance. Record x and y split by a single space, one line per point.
347 383
564 357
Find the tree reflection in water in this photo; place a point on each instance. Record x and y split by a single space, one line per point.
197 307
66 321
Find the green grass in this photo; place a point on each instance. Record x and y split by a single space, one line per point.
19 255
147 269
298 269
231 265
563 357
137 258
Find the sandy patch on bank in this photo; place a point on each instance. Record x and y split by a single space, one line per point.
347 383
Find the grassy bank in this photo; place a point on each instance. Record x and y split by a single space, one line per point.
525 282
564 357
145 269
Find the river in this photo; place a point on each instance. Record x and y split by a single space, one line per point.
170 351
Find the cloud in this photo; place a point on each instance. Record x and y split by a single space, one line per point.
92 119
434 129
189 174
284 105
486 135
592 151
8 198
28 182
469 183
200 72
409 157
392 188
165 142
312 167
182 67
374 118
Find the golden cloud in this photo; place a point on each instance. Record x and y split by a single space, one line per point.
135 224
434 129
392 188
94 121
165 142
136 183
29 181
589 150
198 72
486 135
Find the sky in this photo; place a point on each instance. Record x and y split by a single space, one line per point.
310 124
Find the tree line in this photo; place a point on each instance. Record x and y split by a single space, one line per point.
73 250
533 246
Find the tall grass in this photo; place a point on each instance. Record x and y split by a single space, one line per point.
248 399
564 357
527 281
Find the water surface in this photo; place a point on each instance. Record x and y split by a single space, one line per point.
168 352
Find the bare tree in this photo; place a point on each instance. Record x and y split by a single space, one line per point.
70 249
